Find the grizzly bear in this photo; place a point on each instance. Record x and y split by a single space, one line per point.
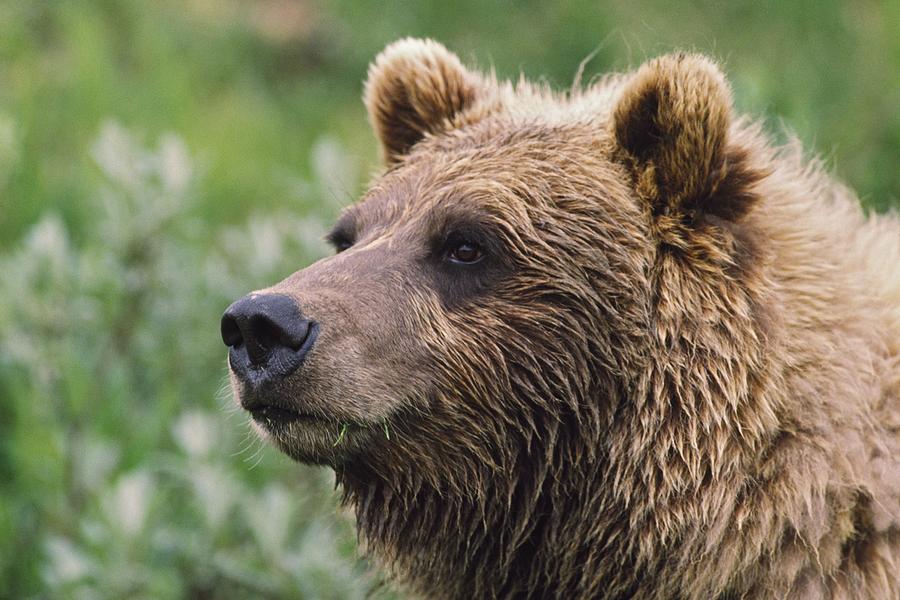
610 343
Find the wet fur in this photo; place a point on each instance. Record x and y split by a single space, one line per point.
681 381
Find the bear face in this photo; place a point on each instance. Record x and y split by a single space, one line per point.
561 351
454 281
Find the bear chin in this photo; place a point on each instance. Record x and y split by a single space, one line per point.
312 439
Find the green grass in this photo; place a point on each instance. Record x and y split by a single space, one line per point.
159 159
341 434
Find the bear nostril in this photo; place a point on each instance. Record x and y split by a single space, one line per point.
231 333
269 334
261 339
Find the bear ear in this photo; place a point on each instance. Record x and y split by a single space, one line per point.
671 123
416 87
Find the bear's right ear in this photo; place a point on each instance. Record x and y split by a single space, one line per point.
414 88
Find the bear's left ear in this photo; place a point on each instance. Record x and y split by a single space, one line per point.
414 88
671 124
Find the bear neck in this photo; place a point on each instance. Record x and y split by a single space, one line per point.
520 537
517 530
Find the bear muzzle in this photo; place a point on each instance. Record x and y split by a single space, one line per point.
268 339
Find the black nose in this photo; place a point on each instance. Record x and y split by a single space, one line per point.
267 335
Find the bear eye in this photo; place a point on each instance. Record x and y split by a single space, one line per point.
342 245
465 252
340 240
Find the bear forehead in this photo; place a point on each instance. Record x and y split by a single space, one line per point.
430 198
511 139
497 157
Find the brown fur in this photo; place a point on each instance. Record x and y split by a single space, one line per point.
676 373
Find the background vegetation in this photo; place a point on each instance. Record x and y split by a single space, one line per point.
159 159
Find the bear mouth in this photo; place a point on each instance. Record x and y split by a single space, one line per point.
269 409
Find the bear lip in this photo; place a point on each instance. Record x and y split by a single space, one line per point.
266 409
269 413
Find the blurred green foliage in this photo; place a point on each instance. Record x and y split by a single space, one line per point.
158 159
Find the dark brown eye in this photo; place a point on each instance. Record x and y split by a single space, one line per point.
341 241
465 253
